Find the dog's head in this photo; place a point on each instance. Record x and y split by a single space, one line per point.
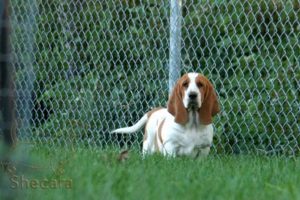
193 92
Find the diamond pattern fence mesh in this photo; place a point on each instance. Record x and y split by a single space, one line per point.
86 67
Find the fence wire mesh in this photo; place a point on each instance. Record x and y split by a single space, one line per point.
87 67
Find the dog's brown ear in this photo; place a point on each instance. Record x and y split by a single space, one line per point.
175 103
210 106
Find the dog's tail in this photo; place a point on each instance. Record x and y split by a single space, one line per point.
133 128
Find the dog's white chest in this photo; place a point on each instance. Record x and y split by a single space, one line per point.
191 141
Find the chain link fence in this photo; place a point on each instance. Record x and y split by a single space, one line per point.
86 67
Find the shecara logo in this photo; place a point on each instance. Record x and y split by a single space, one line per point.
18 181
23 183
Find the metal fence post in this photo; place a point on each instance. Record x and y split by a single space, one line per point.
7 105
7 96
175 42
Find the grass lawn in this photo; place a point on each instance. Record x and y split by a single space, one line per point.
99 175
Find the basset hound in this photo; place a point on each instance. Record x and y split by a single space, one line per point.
185 126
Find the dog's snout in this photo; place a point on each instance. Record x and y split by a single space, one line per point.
193 95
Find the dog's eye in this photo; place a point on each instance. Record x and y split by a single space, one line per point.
199 85
185 84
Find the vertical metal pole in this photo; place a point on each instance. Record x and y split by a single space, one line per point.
7 104
7 109
175 42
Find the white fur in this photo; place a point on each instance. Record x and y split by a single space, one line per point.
191 139
134 128
192 88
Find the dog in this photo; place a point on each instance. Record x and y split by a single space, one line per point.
185 127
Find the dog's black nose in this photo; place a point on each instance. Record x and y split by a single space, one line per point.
192 95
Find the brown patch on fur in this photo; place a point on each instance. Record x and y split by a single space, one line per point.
159 131
149 115
175 103
158 135
210 106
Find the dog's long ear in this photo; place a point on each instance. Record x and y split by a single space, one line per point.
175 104
210 106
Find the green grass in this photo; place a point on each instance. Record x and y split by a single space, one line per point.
99 175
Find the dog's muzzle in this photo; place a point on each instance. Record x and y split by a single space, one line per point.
193 103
